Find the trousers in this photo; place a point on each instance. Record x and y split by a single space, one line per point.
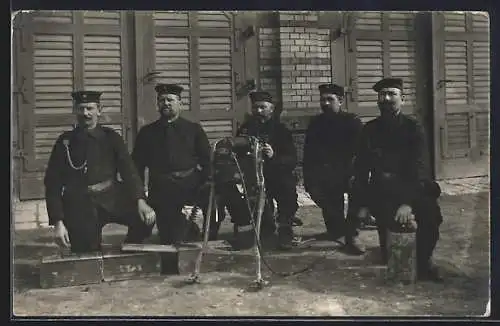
86 214
428 217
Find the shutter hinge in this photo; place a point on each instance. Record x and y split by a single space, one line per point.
20 89
19 153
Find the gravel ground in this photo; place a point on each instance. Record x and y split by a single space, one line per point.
336 286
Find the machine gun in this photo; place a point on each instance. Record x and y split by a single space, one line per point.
227 166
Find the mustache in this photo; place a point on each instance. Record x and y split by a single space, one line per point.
386 103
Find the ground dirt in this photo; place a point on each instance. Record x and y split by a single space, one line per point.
336 285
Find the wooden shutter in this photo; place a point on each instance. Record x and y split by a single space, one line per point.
66 51
216 91
215 73
456 91
172 62
103 72
462 73
53 83
380 45
369 70
217 129
195 50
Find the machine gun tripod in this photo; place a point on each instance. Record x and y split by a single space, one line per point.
256 211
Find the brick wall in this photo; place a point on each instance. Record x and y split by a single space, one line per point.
295 58
305 61
269 55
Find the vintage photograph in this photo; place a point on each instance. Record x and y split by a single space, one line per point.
250 163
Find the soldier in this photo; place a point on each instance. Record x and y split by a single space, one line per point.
280 160
82 190
393 178
329 149
177 153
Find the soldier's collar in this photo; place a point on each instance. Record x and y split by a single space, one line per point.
96 132
165 122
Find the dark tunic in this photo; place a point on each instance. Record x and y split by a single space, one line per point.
168 147
329 148
106 155
392 160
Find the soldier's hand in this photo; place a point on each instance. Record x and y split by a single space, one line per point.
363 213
268 150
61 234
146 213
404 215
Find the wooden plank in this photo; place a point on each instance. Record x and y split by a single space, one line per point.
148 247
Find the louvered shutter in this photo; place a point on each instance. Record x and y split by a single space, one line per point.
68 51
217 129
48 76
456 93
381 45
103 72
481 88
172 62
215 80
215 73
464 85
195 50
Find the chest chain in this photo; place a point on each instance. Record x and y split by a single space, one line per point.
68 155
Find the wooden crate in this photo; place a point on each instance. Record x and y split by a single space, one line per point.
119 265
71 270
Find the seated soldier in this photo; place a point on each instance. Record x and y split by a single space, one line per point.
81 187
280 159
393 180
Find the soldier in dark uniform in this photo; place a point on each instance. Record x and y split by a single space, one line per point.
177 153
393 179
329 147
82 190
280 161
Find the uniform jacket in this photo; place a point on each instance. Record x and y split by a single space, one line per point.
329 147
170 147
392 159
106 156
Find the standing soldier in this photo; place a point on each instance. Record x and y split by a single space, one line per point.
393 178
82 190
329 149
177 153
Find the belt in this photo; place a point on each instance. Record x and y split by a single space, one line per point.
174 174
95 188
383 176
101 186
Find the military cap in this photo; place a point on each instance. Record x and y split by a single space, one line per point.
260 96
169 89
86 96
331 89
388 83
